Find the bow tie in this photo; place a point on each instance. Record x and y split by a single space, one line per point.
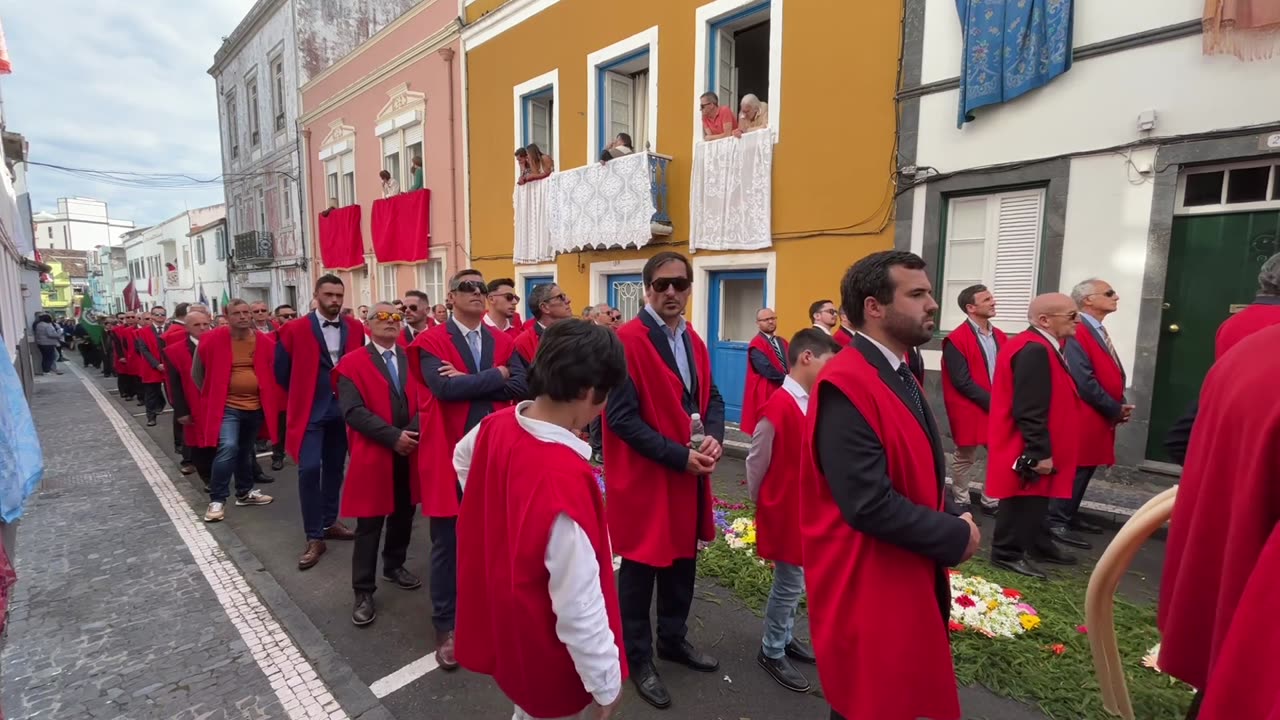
331 323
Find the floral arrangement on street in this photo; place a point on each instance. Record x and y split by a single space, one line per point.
598 472
988 609
741 534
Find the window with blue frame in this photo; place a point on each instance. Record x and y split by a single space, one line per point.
538 119
622 99
738 55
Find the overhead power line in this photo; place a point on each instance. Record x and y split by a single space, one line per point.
148 181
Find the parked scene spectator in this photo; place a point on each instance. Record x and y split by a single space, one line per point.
717 120
752 115
389 185
416 170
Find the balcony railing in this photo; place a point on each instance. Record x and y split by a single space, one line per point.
731 193
255 245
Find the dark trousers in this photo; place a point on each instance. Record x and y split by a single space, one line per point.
277 450
202 459
444 572
234 455
597 444
1061 511
1021 528
91 354
123 386
320 466
178 447
153 396
108 361
48 358
635 595
364 557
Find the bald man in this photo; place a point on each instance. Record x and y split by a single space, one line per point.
1033 436
766 368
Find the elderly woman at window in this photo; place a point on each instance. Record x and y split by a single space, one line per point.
533 164
752 115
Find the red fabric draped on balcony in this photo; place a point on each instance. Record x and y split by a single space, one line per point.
341 247
402 227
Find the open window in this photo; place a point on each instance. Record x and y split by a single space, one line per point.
539 118
740 56
621 93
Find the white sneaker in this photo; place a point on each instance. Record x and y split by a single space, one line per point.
255 497
214 513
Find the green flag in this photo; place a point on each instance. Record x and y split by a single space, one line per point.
91 327
225 299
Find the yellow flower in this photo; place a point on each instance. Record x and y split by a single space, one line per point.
750 537
1029 622
992 604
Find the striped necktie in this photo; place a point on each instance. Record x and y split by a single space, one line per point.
777 352
1106 338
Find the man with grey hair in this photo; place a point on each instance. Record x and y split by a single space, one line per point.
752 115
1100 379
601 315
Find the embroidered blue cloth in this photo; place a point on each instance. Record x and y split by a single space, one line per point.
1010 48
21 462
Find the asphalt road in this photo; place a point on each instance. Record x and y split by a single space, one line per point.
402 634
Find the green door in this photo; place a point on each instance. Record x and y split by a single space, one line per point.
1213 269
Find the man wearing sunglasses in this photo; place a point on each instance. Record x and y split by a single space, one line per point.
549 305
1100 379
148 343
659 486
823 315
1033 436
417 317
465 370
504 304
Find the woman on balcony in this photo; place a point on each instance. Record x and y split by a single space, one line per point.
533 164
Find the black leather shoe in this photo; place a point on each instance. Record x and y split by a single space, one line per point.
363 613
784 672
405 579
1051 553
990 510
277 464
689 656
263 480
1022 566
1066 537
1085 526
151 422
649 686
800 652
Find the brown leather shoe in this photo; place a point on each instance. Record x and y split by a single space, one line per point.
444 651
315 548
338 531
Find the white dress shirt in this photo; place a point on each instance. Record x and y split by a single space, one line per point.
894 360
760 456
332 336
582 622
489 321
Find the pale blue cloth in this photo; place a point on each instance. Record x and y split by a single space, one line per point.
987 341
674 341
1010 47
473 341
389 357
21 461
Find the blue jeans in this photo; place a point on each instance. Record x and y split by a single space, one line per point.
780 612
235 453
320 468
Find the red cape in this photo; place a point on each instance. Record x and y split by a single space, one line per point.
1004 442
132 360
1253 318
1228 506
843 336
758 390
968 421
657 514
1097 433
119 354
369 488
176 333
151 339
874 610
528 340
298 338
177 355
778 508
214 352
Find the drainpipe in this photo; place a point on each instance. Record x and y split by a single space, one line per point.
458 250
304 220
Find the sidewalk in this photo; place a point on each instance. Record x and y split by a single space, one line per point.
125 605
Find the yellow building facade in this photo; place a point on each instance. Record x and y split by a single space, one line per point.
776 215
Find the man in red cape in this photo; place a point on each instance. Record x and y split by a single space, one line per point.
774 465
1033 436
504 304
185 396
845 332
177 334
147 344
307 350
537 604
232 370
549 305
464 371
120 342
380 407
659 486
873 516
968 367
1221 569
417 317
766 369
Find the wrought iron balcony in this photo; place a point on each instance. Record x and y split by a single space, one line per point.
255 245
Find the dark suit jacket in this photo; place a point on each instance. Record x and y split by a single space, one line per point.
1081 369
361 419
324 403
178 396
1032 395
482 386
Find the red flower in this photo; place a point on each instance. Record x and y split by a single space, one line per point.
954 626
1082 629
965 601
1058 648
1011 593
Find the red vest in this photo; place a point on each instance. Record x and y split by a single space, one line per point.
151 338
299 340
1097 433
506 626
443 423
215 356
758 389
968 421
132 360
1228 510
843 336
177 355
177 333
878 631
1004 442
527 342
369 489
1243 324
778 508
656 514
119 353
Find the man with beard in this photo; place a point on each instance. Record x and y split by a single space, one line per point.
766 369
549 305
198 450
873 505
823 315
503 313
417 317
659 477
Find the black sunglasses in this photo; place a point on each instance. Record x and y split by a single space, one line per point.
510 297
414 308
661 284
288 316
471 286
1109 293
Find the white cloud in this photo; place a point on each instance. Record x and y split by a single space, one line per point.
118 86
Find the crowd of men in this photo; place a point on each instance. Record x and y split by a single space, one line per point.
479 420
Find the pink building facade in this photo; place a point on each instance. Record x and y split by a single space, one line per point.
393 98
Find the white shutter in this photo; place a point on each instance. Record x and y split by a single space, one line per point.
390 144
640 108
617 108
726 71
540 124
1018 223
966 261
413 135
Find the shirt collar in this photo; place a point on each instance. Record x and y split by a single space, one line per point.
977 329
800 394
1052 340
1094 322
489 321
895 361
822 327
381 349
322 319
463 328
548 432
680 326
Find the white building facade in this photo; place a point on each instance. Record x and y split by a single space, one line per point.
79 224
1148 164
163 263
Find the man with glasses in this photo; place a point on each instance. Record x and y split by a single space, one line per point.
417 317
315 435
549 305
1033 436
469 370
766 368
262 317
1100 379
823 315
149 342
503 306
659 479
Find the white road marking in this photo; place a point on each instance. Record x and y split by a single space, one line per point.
295 682
404 676
264 454
143 414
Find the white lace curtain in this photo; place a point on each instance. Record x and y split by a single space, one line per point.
601 205
730 193
533 233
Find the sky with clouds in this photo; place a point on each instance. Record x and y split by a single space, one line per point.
117 85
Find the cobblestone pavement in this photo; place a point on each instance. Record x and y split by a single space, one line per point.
125 606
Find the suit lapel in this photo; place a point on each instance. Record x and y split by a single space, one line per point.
381 364
486 348
402 365
326 360
658 337
460 344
